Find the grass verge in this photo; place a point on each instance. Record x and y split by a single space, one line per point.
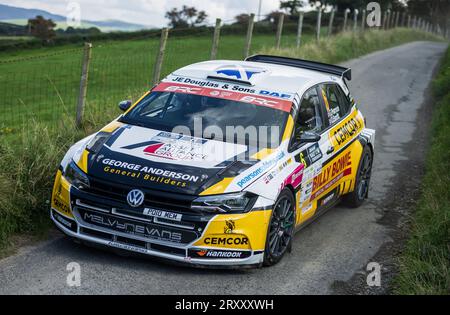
424 266
29 158
350 45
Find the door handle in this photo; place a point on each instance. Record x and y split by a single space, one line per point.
330 150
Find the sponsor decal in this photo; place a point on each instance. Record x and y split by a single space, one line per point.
230 225
127 247
147 173
260 170
345 131
326 199
221 254
179 149
295 179
331 174
60 205
276 100
172 146
307 208
239 72
310 155
268 178
241 240
137 228
162 214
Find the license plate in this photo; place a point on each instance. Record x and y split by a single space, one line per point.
162 214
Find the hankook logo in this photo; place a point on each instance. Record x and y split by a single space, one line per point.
135 198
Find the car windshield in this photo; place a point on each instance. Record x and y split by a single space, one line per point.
168 111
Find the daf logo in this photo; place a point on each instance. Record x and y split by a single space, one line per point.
135 198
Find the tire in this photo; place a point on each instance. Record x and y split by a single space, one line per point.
357 197
281 229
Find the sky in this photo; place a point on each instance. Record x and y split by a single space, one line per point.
147 12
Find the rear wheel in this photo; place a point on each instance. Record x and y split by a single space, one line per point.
281 229
356 197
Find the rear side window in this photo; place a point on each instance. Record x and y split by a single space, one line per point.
331 101
336 103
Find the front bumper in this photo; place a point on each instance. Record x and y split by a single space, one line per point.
255 258
203 241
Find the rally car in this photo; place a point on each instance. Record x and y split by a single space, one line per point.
219 164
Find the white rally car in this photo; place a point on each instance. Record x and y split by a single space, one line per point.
219 164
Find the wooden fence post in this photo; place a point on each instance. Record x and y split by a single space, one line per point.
248 40
299 29
363 20
279 30
330 23
319 23
355 20
83 84
216 38
388 19
345 19
160 56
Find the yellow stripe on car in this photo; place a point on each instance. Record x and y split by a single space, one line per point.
218 188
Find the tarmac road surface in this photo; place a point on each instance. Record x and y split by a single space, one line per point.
390 87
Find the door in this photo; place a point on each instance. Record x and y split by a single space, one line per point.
310 118
337 159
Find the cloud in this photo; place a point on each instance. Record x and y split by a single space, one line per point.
147 12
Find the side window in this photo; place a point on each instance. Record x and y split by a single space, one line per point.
331 100
345 102
309 117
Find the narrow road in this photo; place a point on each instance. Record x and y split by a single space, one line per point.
389 86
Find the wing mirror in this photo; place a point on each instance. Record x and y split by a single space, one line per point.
125 105
307 137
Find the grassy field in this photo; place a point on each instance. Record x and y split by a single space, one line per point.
41 93
425 263
33 85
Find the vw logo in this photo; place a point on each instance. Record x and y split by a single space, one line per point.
135 198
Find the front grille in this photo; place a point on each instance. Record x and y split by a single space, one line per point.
153 199
135 228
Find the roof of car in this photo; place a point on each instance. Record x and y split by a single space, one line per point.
262 75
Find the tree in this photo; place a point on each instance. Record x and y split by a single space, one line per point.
186 17
342 5
242 18
42 28
435 11
291 6
273 17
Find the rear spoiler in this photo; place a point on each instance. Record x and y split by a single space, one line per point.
304 64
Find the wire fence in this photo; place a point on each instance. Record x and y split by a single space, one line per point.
46 87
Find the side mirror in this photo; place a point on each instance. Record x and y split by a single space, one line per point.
125 105
308 137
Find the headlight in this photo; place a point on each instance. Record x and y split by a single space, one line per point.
230 203
75 176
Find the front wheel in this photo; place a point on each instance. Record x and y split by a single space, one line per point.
281 228
356 197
